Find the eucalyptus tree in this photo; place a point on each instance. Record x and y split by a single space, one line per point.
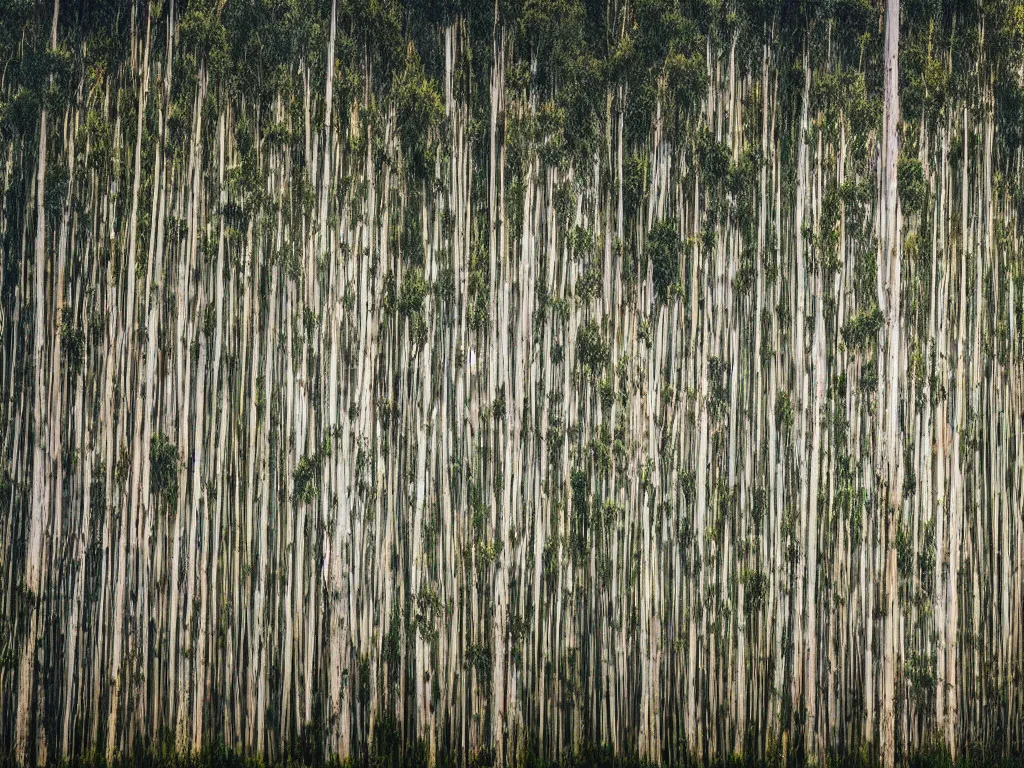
476 381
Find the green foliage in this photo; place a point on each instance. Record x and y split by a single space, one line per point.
714 158
478 659
911 184
926 557
784 412
6 487
909 473
760 506
592 350
553 31
56 188
499 408
869 379
581 100
386 742
687 79
376 26
924 80
429 610
580 241
904 551
601 450
588 287
863 110
72 339
391 647
863 327
580 483
755 593
550 137
746 273
661 54
744 173
920 672
564 202
262 38
478 312
634 181
419 112
718 390
664 248
163 469
19 116
606 391
414 290
203 31
307 473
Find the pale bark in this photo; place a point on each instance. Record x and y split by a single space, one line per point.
537 501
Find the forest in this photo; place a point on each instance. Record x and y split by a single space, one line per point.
512 382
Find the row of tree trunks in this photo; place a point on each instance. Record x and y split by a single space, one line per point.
302 447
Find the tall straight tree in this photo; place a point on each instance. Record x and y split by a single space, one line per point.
399 383
889 299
